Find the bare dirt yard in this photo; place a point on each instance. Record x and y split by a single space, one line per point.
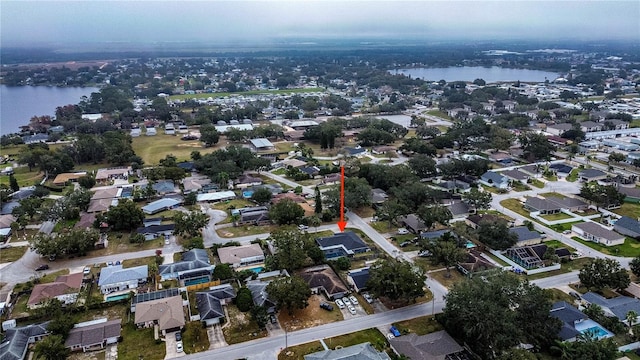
312 315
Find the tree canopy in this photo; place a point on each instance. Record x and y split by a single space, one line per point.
496 235
289 293
286 211
604 273
396 280
124 216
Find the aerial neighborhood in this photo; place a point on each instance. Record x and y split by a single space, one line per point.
202 204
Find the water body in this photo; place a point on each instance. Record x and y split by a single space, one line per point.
403 120
18 104
470 73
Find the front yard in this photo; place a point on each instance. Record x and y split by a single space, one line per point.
419 326
555 217
312 315
567 267
630 248
628 209
246 230
195 337
139 344
373 336
12 254
241 327
448 280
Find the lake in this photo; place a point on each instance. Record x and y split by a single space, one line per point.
470 73
18 104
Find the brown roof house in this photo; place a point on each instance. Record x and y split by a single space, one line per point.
246 256
435 346
65 289
167 313
93 335
323 279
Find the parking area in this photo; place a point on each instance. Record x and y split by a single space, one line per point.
359 311
170 341
216 337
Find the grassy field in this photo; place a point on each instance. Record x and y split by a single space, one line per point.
515 205
554 217
419 326
440 114
448 282
24 176
563 227
537 183
138 261
570 266
12 254
241 327
245 230
153 148
573 176
139 344
630 248
559 295
244 93
629 209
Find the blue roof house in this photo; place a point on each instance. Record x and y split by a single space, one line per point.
160 205
194 268
575 323
495 180
618 306
341 244
116 278
358 278
628 226
525 236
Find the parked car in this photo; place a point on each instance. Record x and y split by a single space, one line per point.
52 258
395 331
352 310
367 297
340 303
166 241
390 336
86 270
346 301
567 232
405 244
575 295
424 253
303 227
326 306
109 263
179 347
273 319
178 336
42 267
403 231
353 300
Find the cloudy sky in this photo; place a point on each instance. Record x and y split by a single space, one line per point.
28 23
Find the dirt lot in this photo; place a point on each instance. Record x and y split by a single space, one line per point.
310 316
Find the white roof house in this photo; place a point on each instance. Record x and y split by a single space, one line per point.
160 205
216 196
115 278
224 128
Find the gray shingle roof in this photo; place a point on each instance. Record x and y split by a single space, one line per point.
355 352
597 230
191 260
619 306
493 176
434 346
116 274
524 234
93 334
568 314
348 239
16 340
628 223
360 277
209 305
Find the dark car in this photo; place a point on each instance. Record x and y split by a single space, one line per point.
42 267
178 336
326 306
273 319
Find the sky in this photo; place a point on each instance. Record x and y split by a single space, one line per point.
27 23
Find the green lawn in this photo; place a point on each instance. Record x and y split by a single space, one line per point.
420 326
515 205
448 280
383 227
12 254
496 259
567 267
280 171
629 209
556 244
139 344
232 204
244 93
245 230
551 177
537 183
573 176
138 261
630 248
440 114
554 217
559 295
52 277
24 176
518 186
153 148
562 227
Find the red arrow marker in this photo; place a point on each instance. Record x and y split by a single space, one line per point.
342 224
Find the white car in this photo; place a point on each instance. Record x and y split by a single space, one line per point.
166 241
390 336
403 231
86 271
303 227
346 301
179 347
352 310
368 298
340 303
353 299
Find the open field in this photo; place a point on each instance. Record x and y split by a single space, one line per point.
245 230
448 280
244 93
241 327
629 209
153 148
139 344
23 176
312 315
419 326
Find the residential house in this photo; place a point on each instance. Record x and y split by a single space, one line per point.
36 138
590 126
312 171
628 226
16 340
574 322
554 204
118 173
452 186
210 303
493 179
298 199
194 267
167 313
588 175
245 256
345 243
526 236
246 180
294 163
357 278
154 231
323 279
216 196
378 196
194 184
261 144
559 129
593 232
64 178
460 209
561 169
331 179
154 295
258 215
116 278
356 151
65 288
516 175
501 158
528 256
632 194
413 223
93 335
434 346
5 224
612 124
364 351
383 149
615 307
586 146
161 205
258 288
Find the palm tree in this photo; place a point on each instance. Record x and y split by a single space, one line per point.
223 179
631 318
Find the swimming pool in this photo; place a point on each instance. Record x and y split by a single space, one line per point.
590 326
117 297
257 270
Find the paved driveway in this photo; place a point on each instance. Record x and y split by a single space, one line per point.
216 337
111 352
171 346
